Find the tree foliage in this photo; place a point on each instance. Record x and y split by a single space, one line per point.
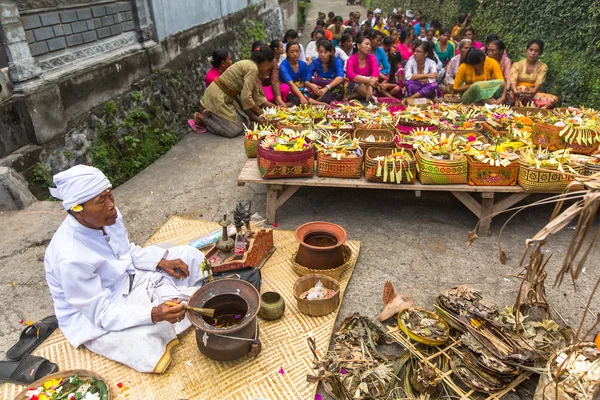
569 28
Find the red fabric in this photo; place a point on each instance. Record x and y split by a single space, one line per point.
211 75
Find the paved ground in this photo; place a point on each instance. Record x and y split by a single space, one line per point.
337 6
417 243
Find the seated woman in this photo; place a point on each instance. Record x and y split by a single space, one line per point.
311 48
393 86
346 45
362 70
323 25
220 61
479 79
337 29
421 72
275 91
469 33
293 72
325 75
405 47
496 49
279 50
528 75
444 48
463 49
221 114
292 36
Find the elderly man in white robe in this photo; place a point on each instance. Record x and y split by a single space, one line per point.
117 299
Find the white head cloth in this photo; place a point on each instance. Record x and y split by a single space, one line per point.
377 11
79 184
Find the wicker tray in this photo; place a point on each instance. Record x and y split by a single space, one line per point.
386 134
334 273
350 167
286 164
533 179
442 172
82 373
481 174
371 166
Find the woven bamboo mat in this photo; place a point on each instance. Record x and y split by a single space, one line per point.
191 375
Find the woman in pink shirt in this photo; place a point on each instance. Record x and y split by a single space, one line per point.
405 46
221 60
362 70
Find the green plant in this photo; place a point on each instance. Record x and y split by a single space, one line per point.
302 12
252 31
68 154
42 175
137 95
110 107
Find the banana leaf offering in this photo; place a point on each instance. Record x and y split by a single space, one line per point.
424 326
474 377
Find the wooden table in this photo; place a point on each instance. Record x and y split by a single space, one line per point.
280 190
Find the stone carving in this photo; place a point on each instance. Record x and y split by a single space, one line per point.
57 61
37 4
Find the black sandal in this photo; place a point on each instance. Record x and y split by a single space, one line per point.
31 337
28 370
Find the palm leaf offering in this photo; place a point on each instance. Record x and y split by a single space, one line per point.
580 125
338 145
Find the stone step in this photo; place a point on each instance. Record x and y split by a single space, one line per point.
23 158
14 191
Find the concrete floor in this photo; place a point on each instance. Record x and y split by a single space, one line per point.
417 243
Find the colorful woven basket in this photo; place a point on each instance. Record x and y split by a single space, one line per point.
386 136
536 180
442 172
286 164
371 166
251 147
344 168
546 135
483 174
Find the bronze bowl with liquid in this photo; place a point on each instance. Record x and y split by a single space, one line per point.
234 328
321 245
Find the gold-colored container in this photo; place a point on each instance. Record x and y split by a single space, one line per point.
272 306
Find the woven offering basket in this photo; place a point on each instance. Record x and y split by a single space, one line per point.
251 147
316 308
334 273
547 136
490 130
298 128
387 136
350 167
591 168
537 180
286 164
419 338
371 166
82 373
442 172
550 391
483 174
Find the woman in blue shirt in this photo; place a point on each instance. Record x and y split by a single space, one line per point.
293 72
325 75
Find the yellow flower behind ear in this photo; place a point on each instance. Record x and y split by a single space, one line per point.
77 208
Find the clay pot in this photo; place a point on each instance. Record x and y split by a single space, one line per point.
228 297
321 245
272 306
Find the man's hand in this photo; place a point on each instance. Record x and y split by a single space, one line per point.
171 311
176 268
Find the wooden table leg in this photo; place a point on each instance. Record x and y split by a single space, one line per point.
272 191
485 218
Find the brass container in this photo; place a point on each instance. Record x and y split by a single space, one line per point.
272 306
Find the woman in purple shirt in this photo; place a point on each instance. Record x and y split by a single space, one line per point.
362 70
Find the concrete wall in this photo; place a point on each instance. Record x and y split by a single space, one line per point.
289 9
174 16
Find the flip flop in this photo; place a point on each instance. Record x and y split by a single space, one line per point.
192 124
28 370
31 337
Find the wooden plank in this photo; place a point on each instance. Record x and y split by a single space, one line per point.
250 174
287 193
510 201
469 202
485 219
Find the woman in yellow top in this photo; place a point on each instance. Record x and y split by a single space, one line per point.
528 75
479 78
221 113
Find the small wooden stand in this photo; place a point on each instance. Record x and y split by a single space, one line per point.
260 249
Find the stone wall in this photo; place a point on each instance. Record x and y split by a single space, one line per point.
52 31
165 100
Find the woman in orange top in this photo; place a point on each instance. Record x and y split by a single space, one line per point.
479 78
328 33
